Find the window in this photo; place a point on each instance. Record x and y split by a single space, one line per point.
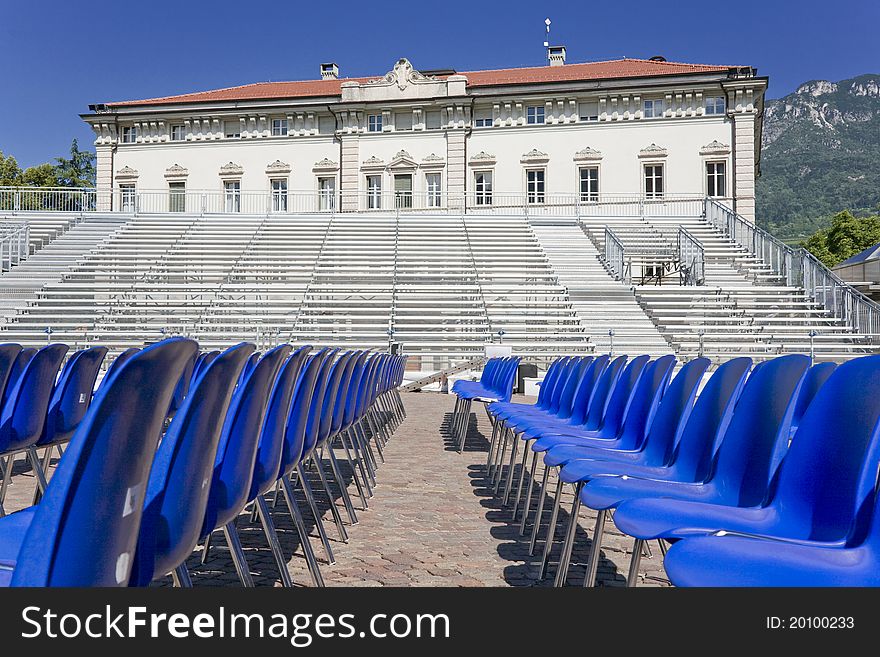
483 119
715 105
589 183
432 120
129 134
374 123
403 191
232 129
232 190
327 194
374 192
279 127
535 185
432 187
483 187
128 196
535 114
653 181
653 109
403 120
177 197
177 132
716 185
279 195
589 111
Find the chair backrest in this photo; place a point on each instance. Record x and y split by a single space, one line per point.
295 429
249 366
118 362
354 388
692 454
24 414
674 409
554 394
601 393
507 379
337 372
643 403
72 395
182 388
622 394
758 432
565 403
237 447
549 378
85 528
586 387
272 434
8 355
489 370
338 413
816 377
177 490
827 479
21 360
203 361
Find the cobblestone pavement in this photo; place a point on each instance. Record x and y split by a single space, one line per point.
434 521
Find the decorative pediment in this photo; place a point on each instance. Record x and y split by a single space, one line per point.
587 155
715 148
403 74
176 171
126 173
402 160
277 167
326 165
373 162
653 151
231 170
535 156
482 158
433 161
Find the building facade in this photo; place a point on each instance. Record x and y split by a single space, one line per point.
560 134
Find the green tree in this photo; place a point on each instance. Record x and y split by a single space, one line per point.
78 170
10 172
847 236
42 175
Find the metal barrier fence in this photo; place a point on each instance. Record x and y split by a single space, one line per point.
615 256
14 244
691 258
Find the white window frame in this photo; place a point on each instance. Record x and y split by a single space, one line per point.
434 189
654 195
374 122
234 135
535 112
483 190
327 196
591 195
180 130
715 106
711 179
536 190
656 108
128 197
129 134
232 195
279 127
177 196
374 192
279 194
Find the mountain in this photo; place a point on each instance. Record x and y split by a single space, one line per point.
820 155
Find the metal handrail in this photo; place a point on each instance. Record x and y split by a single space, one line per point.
691 258
14 244
799 268
615 256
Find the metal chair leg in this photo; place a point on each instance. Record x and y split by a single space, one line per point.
296 515
272 537
238 558
528 502
551 530
522 476
206 549
343 489
539 513
595 549
355 462
337 517
38 469
181 578
632 578
568 544
510 468
319 525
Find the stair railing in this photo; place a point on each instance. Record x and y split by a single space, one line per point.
615 256
691 258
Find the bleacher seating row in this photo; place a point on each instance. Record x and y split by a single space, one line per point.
765 475
171 447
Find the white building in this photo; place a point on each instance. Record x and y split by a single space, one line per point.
555 135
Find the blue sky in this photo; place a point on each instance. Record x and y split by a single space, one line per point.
59 56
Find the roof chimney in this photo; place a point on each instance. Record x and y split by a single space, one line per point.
556 55
329 71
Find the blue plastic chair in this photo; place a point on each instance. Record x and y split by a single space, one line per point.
236 452
24 414
182 388
268 458
816 377
118 362
8 356
747 456
177 491
99 483
21 360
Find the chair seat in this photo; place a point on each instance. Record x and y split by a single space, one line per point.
582 469
564 454
611 492
549 439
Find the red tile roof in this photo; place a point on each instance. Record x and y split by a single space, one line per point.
613 69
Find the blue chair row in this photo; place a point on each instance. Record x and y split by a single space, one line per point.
495 385
233 435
